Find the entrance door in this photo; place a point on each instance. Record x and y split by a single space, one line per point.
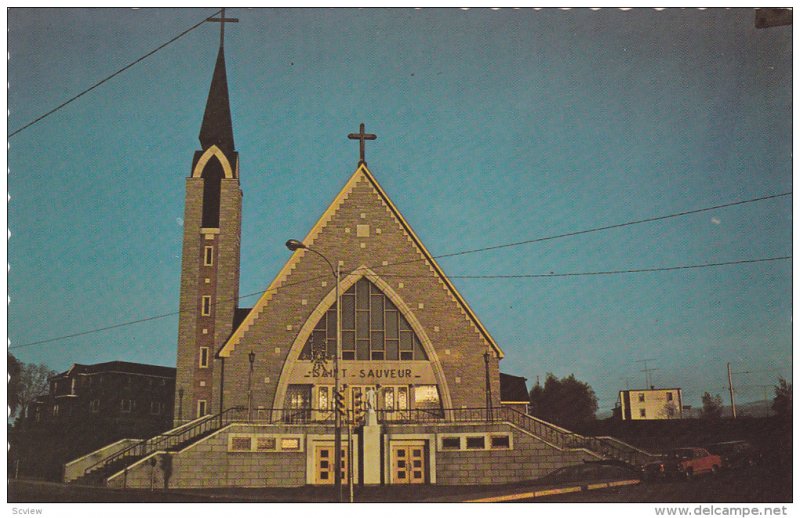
408 463
324 464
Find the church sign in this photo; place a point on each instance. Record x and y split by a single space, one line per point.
364 373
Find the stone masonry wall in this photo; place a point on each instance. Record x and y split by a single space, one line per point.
528 459
457 342
209 464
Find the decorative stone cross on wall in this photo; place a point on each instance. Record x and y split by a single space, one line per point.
361 136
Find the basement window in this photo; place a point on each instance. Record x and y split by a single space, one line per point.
265 443
240 443
290 443
476 443
501 442
451 443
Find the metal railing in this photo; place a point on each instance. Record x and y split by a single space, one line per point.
168 440
604 446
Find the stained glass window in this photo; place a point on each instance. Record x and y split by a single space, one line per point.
372 328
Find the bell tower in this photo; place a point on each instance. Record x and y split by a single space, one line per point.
210 263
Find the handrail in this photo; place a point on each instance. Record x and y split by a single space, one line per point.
548 432
166 440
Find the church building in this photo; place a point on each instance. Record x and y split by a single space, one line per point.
256 404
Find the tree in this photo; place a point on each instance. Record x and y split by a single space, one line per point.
782 404
712 406
566 402
670 410
32 381
14 386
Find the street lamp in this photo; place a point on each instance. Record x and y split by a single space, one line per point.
180 404
486 357
294 245
252 358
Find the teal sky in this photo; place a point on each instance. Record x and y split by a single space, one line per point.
493 127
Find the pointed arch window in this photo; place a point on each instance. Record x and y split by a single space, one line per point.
372 328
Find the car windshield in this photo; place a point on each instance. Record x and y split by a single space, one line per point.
681 454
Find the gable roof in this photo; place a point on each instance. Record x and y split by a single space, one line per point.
361 172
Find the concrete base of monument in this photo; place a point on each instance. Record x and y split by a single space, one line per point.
371 438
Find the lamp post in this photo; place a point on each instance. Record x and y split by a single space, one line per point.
294 245
252 358
486 358
180 404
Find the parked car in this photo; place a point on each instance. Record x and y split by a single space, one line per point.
682 463
735 454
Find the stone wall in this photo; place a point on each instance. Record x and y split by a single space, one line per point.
208 463
527 459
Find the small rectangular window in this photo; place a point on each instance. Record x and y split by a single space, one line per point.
265 443
501 442
208 256
204 357
55 410
155 408
125 406
94 406
290 443
206 309
669 396
240 443
476 443
641 398
642 412
451 443
201 408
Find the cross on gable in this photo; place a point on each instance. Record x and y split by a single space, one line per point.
221 20
361 136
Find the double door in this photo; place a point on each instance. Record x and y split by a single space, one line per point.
408 462
325 464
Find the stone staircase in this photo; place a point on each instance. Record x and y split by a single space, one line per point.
171 441
608 448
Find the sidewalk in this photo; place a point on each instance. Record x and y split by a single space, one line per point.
20 491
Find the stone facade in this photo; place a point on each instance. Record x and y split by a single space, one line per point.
389 255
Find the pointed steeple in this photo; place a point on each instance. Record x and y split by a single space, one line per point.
217 128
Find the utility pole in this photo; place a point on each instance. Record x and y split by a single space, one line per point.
730 388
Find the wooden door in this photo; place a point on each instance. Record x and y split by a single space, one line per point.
408 463
324 464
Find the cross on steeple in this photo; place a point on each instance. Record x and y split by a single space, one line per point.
361 136
222 21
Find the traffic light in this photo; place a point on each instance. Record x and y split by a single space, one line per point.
359 408
341 407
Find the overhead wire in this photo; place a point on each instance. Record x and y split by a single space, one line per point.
118 72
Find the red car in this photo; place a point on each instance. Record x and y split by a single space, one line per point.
683 463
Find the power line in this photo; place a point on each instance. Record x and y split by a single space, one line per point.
596 229
526 276
617 272
618 225
155 317
121 70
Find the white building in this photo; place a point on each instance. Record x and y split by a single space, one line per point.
652 403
